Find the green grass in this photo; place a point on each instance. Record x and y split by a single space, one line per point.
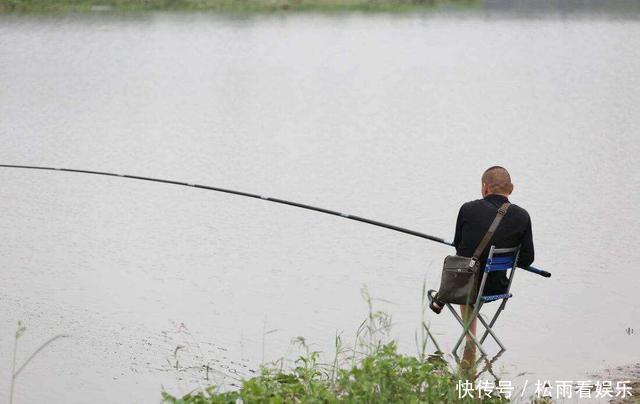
371 371
384 376
8 6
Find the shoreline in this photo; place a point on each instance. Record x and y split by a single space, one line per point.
232 6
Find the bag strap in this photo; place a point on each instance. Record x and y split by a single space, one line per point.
489 235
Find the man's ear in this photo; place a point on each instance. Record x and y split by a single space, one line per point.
511 191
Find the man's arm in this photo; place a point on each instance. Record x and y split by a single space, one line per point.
526 247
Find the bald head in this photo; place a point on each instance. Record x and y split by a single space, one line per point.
496 180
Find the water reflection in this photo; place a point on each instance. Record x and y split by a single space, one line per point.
472 367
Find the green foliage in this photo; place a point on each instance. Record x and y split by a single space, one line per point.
387 376
383 376
372 371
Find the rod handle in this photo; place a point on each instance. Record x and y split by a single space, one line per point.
538 271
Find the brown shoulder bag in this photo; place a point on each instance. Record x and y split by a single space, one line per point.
460 275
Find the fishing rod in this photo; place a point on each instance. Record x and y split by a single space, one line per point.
264 198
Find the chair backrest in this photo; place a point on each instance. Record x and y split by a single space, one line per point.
502 259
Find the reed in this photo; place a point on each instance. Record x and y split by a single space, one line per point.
15 370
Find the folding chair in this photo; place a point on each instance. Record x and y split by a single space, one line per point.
499 259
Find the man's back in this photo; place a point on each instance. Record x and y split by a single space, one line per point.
474 220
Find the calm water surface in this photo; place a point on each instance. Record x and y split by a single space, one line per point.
388 117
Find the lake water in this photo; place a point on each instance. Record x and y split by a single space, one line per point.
391 117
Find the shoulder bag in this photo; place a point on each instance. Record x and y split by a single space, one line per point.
461 275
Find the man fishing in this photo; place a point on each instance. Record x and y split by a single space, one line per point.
475 217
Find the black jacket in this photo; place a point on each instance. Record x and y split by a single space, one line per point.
474 220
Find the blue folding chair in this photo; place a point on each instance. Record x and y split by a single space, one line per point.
499 259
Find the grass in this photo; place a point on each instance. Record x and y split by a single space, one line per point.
384 376
16 370
370 371
9 6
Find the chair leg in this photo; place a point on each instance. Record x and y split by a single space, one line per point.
466 327
490 331
489 328
429 335
494 319
486 332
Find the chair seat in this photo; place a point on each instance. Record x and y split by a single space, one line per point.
490 298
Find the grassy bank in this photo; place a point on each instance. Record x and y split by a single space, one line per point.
371 370
8 6
383 376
